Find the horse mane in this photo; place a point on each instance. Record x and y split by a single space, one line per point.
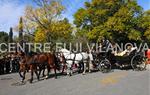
65 51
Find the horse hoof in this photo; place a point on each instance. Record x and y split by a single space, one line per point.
70 74
30 81
83 73
46 77
22 81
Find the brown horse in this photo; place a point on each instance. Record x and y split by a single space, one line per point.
38 60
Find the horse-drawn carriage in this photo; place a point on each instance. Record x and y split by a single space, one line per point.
68 60
105 61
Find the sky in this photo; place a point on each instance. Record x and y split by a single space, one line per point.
11 10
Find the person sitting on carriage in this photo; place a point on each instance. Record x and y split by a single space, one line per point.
126 54
103 49
130 49
104 44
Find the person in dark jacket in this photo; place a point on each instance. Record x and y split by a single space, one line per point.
1 66
7 64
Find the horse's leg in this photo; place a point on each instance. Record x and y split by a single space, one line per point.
24 73
31 76
63 69
40 71
21 76
31 68
55 72
89 65
48 70
80 66
69 69
37 75
84 68
43 70
27 68
35 70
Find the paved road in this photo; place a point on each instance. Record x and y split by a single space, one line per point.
114 83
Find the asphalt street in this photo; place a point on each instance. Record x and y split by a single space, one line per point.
118 82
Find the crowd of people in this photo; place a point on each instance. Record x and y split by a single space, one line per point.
8 64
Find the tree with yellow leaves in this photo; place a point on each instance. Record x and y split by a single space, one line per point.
45 21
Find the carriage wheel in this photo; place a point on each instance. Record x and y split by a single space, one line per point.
105 66
138 63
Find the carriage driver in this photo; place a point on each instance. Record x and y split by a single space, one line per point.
126 52
105 43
